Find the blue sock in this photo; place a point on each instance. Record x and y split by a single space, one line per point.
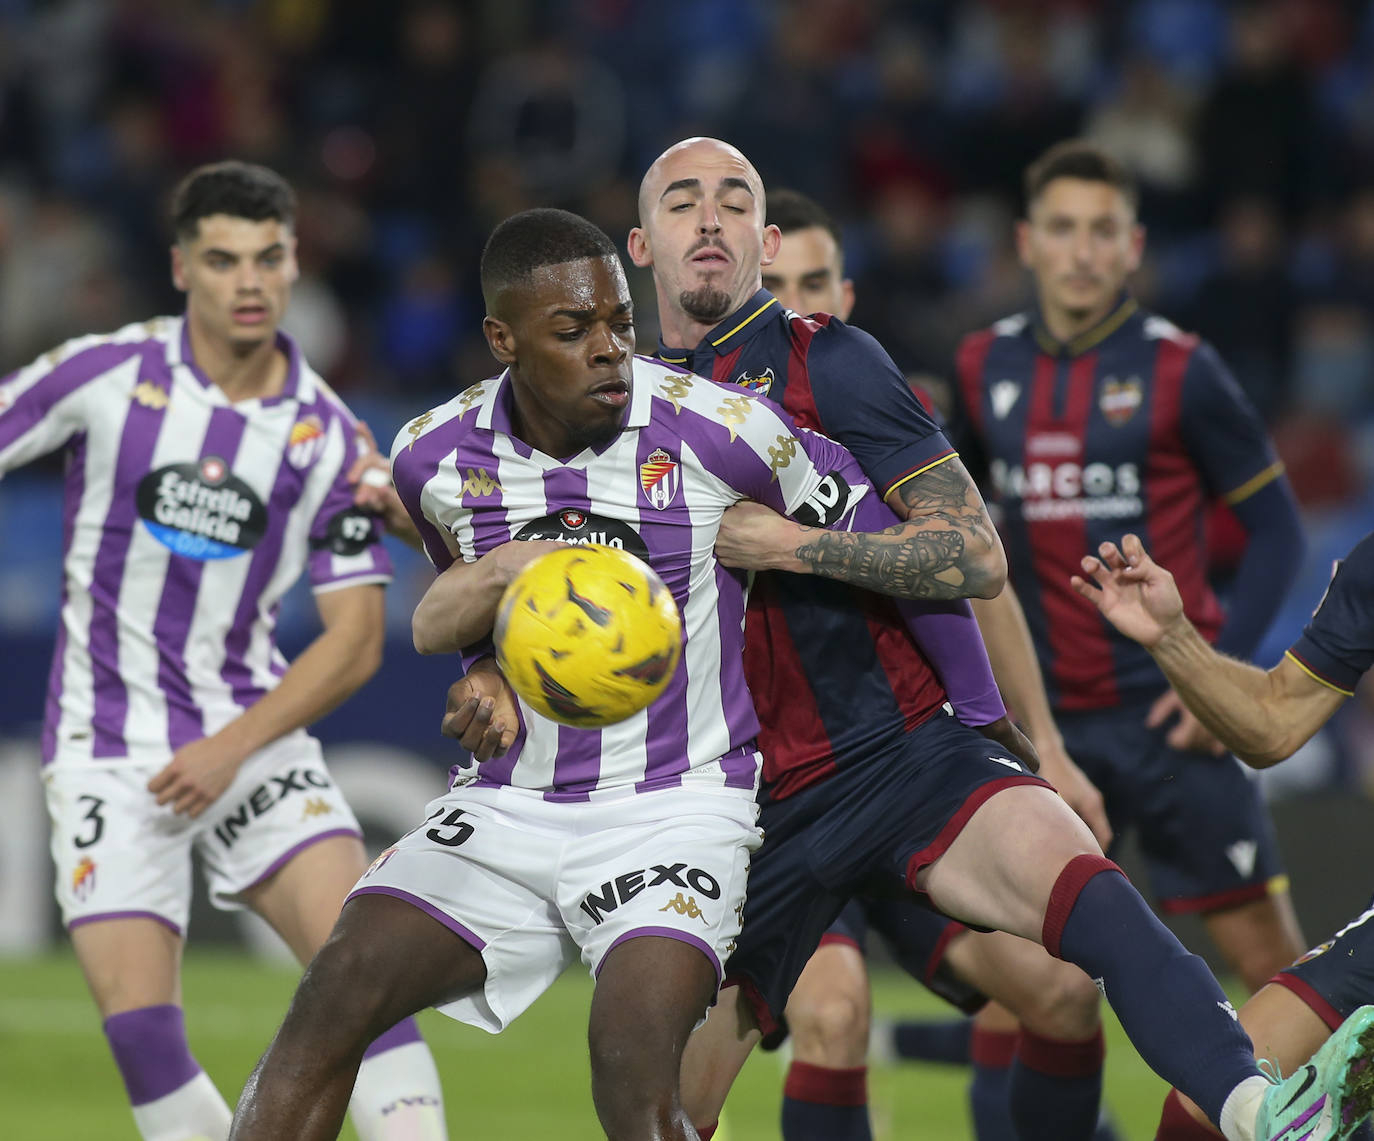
943 1041
821 1104
1056 1088
1106 1128
1170 1006
992 1053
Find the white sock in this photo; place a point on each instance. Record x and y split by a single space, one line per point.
192 1112
1240 1111
397 1096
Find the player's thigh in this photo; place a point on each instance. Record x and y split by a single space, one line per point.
828 1011
1050 997
116 852
301 900
1336 977
282 803
484 866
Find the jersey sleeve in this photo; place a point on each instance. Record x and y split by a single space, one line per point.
412 467
345 541
865 403
1222 430
44 405
1337 646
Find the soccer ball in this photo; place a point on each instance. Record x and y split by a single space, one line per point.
588 635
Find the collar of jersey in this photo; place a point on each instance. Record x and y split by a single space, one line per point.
1090 338
179 352
496 403
737 328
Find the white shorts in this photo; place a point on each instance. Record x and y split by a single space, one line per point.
119 854
531 884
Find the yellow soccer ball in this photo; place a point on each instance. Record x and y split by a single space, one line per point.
588 635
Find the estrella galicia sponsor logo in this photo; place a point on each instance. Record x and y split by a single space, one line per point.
201 510
622 889
575 526
266 797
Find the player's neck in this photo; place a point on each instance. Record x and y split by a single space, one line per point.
257 373
1065 325
678 330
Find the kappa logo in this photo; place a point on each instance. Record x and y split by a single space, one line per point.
1242 856
1003 396
316 806
419 424
781 455
1120 399
266 797
676 388
685 906
470 396
659 476
614 893
760 383
479 484
734 412
149 395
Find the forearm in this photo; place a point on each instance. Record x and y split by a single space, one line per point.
459 608
948 637
333 667
1015 665
1233 699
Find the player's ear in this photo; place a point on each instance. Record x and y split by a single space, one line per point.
1023 231
500 339
178 267
293 267
1137 247
772 242
637 246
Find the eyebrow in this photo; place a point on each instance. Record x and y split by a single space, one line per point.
588 314
217 251
732 182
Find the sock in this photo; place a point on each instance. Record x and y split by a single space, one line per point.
172 1097
1177 1124
1106 1127
1241 1108
944 1041
1055 1088
397 1095
821 1104
992 1053
1170 1006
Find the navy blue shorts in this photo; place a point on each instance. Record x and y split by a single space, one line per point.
868 830
1336 977
1203 828
917 937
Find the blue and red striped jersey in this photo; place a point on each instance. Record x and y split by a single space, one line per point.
834 670
1133 426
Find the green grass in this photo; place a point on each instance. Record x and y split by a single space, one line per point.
57 1082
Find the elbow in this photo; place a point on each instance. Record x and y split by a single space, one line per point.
990 573
1265 753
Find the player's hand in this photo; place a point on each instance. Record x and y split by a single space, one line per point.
1189 735
509 559
755 537
481 712
1133 592
196 776
1006 733
1077 791
370 478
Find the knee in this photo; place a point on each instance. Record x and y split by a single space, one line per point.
1065 1006
830 1027
342 988
634 1095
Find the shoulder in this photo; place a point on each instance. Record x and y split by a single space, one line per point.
445 424
97 353
1153 327
974 347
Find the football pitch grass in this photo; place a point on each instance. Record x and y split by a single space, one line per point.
57 1082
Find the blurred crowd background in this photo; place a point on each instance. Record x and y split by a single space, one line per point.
410 127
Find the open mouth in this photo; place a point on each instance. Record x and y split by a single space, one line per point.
710 258
615 393
250 314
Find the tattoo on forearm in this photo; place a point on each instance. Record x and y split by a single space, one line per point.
938 553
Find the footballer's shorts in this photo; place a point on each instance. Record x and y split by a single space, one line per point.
1337 976
867 830
533 885
119 855
1201 821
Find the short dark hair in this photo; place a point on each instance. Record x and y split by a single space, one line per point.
238 189
533 239
791 210
1078 158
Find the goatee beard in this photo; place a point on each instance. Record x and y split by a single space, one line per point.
705 305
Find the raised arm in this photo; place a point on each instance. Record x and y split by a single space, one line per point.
1262 716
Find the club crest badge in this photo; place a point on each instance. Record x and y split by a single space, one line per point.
1003 395
1120 399
305 442
760 384
659 477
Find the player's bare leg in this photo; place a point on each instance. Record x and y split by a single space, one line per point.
650 992
1284 1029
384 961
715 1055
129 963
828 1010
1257 939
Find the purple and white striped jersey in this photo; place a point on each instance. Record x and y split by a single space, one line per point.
689 450
187 518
